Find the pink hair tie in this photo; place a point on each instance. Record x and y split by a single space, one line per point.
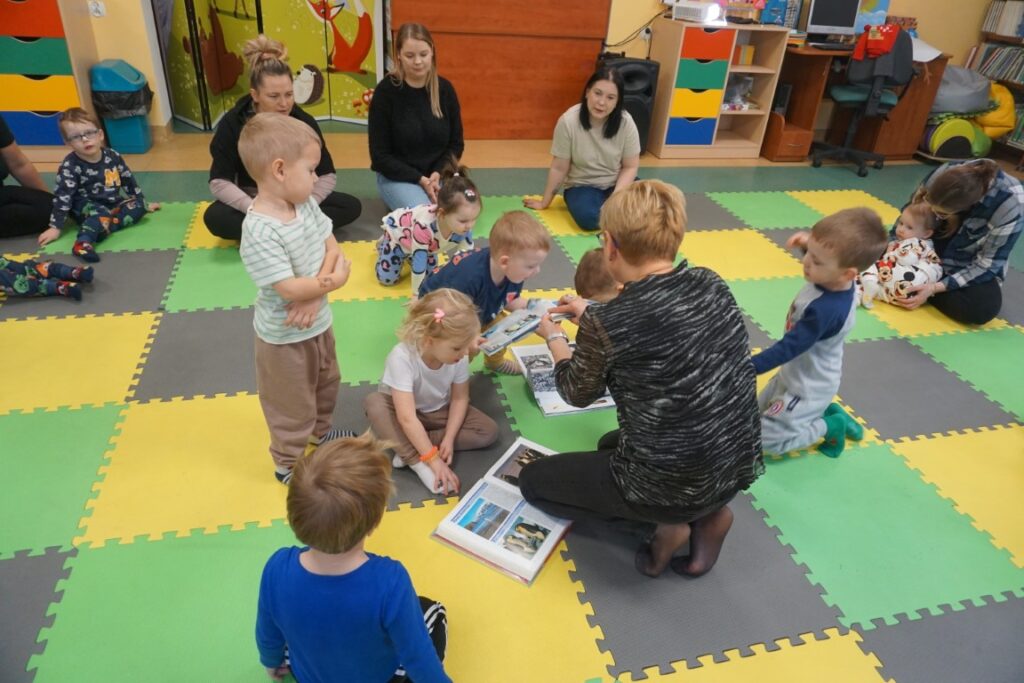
438 315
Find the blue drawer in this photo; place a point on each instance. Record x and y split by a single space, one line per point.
690 131
32 128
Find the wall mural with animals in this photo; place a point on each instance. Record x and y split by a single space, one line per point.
334 47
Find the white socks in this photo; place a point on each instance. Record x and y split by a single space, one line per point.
425 474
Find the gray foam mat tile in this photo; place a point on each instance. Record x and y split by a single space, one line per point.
702 213
125 282
470 466
755 594
27 587
974 644
367 226
1013 298
200 353
557 272
23 244
869 367
781 236
759 339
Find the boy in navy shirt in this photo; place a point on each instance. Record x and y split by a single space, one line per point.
796 405
493 277
331 611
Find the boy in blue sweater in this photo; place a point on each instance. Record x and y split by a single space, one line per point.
331 611
796 405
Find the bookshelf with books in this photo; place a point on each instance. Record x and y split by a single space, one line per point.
1000 57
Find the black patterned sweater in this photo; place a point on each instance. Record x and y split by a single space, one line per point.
673 351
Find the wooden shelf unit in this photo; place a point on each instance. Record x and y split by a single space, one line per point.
1015 86
696 62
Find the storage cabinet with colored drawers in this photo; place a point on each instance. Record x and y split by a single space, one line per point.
696 65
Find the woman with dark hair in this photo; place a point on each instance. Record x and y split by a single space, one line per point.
24 208
980 210
270 83
595 150
415 124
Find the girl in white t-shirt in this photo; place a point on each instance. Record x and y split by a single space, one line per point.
423 403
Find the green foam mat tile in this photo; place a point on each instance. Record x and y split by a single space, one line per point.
562 433
132 610
364 333
575 246
988 359
878 540
766 210
210 279
163 229
51 461
494 207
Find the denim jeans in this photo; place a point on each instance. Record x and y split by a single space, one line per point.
398 195
585 204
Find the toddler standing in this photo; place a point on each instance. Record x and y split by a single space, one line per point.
292 257
423 403
94 186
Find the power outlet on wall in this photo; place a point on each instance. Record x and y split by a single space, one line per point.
97 8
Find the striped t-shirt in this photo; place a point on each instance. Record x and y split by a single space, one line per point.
273 251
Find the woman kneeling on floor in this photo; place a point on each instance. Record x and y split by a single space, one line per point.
673 352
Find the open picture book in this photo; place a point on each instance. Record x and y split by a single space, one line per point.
493 524
517 325
539 368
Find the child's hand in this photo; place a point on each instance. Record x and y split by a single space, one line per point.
474 347
535 203
48 235
446 449
342 269
302 314
445 481
798 240
153 206
278 673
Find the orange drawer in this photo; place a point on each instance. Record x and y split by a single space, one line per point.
707 43
49 93
696 104
30 19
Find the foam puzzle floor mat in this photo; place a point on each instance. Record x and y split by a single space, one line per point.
141 506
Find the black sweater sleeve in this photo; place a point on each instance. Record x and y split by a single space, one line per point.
226 163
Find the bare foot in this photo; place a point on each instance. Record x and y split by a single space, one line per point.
708 536
651 560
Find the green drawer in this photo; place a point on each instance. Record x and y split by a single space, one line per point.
34 56
697 74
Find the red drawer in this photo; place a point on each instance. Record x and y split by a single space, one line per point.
30 19
707 43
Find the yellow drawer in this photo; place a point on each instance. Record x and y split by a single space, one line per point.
694 104
52 93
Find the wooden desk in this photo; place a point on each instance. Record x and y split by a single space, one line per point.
807 70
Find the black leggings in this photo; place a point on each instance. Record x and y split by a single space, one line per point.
580 486
23 210
226 222
974 305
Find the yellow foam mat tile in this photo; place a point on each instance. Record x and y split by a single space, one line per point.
557 218
836 659
498 630
830 201
982 473
200 238
182 465
362 282
21 257
739 255
925 320
56 362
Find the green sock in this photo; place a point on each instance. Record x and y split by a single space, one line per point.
854 430
835 435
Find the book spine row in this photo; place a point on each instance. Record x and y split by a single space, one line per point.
1005 18
1001 62
1015 138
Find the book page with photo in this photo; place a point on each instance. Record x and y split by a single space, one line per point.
539 367
517 325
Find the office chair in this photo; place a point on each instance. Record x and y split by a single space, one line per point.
869 92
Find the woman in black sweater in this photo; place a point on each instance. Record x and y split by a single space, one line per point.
673 351
415 125
270 82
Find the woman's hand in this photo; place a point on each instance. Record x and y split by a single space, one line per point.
548 327
571 305
445 481
537 204
431 185
917 295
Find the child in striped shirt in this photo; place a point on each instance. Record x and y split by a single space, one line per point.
289 252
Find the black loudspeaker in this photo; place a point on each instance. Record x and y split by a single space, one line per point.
640 82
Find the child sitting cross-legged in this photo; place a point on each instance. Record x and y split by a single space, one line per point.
47 278
94 186
416 235
493 277
423 403
332 611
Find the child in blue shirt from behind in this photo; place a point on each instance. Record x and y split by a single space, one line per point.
796 405
331 611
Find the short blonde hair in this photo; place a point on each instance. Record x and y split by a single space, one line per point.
267 137
338 494
457 318
856 236
923 212
646 220
76 115
517 231
593 279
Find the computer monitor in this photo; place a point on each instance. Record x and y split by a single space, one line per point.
835 17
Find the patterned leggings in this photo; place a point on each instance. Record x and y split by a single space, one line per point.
391 257
98 221
31 278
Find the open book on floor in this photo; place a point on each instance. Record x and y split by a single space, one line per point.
539 368
517 325
492 523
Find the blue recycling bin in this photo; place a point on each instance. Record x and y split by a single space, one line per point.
122 98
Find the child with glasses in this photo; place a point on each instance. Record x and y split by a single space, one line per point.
94 186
